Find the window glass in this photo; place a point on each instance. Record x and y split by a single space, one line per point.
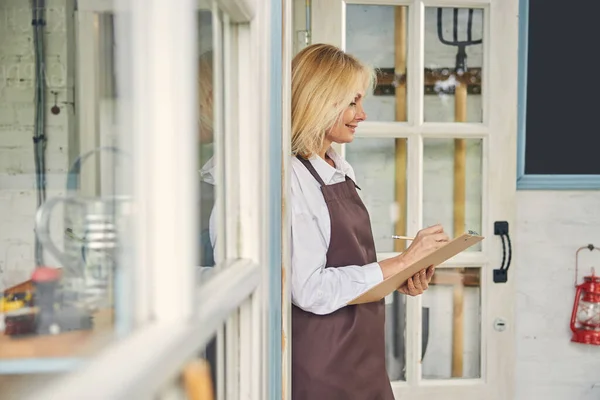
65 191
211 142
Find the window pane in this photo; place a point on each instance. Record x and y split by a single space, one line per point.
211 153
380 167
453 65
59 286
452 324
395 336
378 36
452 185
209 169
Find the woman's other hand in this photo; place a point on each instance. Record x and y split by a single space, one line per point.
418 283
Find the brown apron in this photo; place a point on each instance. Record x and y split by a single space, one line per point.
341 356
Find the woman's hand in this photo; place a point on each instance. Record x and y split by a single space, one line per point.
426 241
418 283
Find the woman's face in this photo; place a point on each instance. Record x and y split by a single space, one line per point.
343 130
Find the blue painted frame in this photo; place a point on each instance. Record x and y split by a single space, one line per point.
39 365
538 182
274 386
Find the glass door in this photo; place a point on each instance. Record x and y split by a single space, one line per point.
438 147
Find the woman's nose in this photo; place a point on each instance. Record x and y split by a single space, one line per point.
361 115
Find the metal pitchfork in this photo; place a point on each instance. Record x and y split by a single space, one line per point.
461 55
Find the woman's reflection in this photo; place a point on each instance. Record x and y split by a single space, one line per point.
207 185
207 171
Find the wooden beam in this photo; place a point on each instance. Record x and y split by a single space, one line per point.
197 381
387 81
460 159
452 277
400 143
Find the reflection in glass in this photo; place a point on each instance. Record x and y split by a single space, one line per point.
62 202
452 185
377 35
206 124
209 176
381 174
453 65
454 345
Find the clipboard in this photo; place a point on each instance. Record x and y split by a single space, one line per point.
437 257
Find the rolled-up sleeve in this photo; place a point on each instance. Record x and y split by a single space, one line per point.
315 288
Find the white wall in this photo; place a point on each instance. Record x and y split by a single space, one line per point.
17 179
551 226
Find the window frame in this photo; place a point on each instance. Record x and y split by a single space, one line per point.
538 181
250 278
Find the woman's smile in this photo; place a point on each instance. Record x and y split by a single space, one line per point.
352 127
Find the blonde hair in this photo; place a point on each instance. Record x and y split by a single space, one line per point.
325 80
205 96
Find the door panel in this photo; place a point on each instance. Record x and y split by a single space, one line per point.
438 146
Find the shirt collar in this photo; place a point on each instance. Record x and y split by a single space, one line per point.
326 171
207 173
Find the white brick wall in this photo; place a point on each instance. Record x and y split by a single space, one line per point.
17 190
551 226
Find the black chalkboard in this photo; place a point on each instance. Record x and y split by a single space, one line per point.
562 132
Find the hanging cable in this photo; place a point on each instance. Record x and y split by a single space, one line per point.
38 22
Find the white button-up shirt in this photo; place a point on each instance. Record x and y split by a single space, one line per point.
207 175
315 288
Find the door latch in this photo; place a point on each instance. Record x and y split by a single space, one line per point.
500 324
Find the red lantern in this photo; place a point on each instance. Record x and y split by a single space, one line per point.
585 319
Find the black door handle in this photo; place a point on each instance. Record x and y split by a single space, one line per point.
501 229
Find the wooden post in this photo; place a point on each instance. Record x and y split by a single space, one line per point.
460 158
401 145
197 381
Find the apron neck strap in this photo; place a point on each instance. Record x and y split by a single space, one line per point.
311 169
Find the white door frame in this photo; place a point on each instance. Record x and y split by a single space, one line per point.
498 204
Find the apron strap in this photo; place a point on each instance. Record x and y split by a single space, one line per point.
316 175
311 169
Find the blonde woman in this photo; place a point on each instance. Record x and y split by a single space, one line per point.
338 351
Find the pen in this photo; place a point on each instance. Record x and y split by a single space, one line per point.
402 237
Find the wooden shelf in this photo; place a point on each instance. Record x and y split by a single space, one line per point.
65 345
68 344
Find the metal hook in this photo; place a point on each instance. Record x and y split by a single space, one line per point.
590 247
